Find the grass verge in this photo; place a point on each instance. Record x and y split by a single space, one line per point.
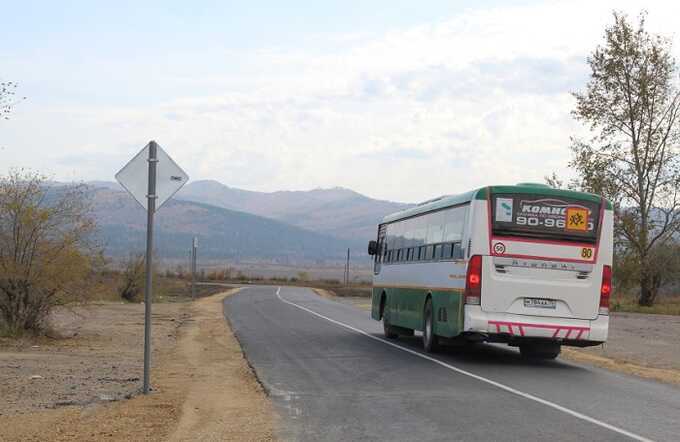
658 374
667 305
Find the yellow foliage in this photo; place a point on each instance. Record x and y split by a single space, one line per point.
46 248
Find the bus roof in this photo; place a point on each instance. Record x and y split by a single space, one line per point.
482 194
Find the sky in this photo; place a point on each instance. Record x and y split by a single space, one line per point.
398 100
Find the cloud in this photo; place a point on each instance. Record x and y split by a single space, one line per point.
479 98
395 154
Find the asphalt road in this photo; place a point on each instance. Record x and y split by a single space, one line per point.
332 376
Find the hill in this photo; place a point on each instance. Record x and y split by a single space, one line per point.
222 233
339 212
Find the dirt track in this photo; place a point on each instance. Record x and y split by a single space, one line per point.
204 389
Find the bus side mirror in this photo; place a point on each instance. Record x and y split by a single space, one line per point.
372 248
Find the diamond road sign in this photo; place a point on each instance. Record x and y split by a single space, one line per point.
134 177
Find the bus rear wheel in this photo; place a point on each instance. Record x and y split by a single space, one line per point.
389 331
540 351
430 340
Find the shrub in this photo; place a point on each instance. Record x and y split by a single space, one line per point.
46 249
132 283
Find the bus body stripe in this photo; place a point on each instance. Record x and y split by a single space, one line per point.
544 258
522 325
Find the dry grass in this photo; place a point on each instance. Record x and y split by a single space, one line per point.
165 289
667 305
658 374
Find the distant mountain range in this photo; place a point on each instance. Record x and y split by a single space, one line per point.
289 227
339 212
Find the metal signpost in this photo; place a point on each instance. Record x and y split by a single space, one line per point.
151 177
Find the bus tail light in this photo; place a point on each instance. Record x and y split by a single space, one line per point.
473 281
605 290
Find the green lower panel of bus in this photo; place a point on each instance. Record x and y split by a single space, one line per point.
406 306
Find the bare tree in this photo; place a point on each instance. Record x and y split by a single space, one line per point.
7 98
46 249
631 103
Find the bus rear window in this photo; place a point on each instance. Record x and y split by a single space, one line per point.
545 217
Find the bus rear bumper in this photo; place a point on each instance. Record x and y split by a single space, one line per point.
512 328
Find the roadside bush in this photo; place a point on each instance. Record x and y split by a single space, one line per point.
220 275
132 278
181 273
278 279
47 252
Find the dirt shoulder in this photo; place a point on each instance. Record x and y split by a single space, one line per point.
362 302
203 387
224 400
644 345
640 344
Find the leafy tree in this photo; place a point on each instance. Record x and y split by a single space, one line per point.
46 250
631 104
664 260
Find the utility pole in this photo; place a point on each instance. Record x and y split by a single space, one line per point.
194 252
347 270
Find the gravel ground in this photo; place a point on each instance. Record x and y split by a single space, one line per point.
644 339
97 359
68 389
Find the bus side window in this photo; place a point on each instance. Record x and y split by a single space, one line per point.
428 252
457 251
446 252
437 252
455 224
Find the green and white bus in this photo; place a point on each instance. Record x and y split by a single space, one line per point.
527 265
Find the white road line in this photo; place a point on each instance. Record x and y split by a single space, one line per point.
474 376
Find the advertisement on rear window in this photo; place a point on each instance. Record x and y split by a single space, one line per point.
543 216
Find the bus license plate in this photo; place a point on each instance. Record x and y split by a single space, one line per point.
540 303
